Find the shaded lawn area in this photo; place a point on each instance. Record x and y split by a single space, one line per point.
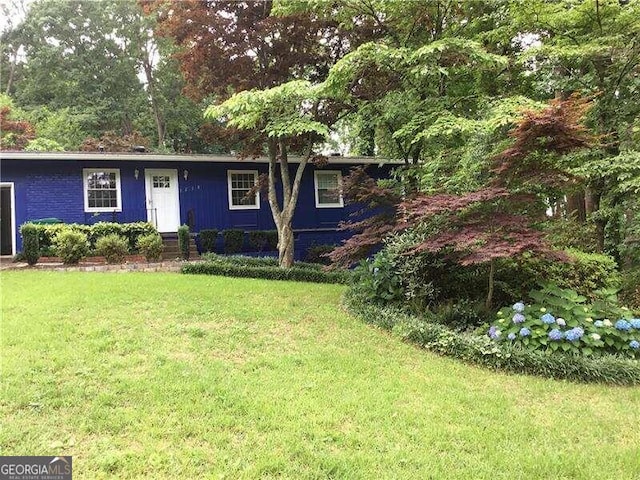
175 376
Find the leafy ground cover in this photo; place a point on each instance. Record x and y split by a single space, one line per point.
175 376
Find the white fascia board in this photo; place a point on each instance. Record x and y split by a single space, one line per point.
151 157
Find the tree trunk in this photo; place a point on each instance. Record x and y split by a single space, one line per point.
590 201
12 72
492 271
283 216
601 225
576 206
155 108
285 246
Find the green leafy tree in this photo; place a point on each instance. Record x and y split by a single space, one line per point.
282 118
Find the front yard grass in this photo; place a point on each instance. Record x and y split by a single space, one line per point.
176 376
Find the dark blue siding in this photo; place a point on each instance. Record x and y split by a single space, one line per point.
55 189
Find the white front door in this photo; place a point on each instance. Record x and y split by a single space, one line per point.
163 201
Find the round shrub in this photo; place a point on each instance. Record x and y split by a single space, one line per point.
113 247
30 243
71 246
150 246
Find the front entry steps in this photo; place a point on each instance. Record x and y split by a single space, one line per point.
172 247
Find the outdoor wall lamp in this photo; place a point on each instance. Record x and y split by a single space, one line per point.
186 174
136 173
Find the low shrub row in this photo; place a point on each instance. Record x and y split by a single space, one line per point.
483 351
248 267
130 231
245 261
72 244
234 240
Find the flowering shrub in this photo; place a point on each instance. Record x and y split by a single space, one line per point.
562 320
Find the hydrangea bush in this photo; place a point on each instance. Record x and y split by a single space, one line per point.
561 320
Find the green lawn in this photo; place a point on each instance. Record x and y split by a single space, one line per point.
170 376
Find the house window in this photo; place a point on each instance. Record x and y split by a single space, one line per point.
241 184
328 185
102 190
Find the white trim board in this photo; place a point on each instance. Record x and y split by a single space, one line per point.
153 157
14 236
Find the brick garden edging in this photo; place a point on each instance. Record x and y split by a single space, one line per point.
167 266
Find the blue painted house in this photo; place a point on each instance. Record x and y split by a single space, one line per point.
203 191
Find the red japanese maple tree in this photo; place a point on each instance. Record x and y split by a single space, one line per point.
497 221
16 134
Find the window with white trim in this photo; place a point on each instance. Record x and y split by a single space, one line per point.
328 186
102 190
241 185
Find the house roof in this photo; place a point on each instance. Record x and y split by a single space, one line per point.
153 157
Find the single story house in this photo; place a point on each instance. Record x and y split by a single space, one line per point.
202 191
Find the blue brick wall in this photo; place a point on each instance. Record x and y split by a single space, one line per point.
55 189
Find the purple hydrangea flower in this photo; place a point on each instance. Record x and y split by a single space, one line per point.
574 334
518 307
598 323
548 319
635 323
525 332
623 325
494 333
556 334
511 336
518 318
634 344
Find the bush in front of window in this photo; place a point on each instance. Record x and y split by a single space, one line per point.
150 246
183 241
30 243
318 254
272 239
259 241
112 247
208 240
233 240
71 246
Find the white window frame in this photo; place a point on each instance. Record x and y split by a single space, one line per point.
255 206
339 204
85 173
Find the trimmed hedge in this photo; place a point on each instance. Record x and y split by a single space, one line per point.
482 351
183 241
233 240
131 231
259 240
266 268
208 240
245 261
317 254
30 243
